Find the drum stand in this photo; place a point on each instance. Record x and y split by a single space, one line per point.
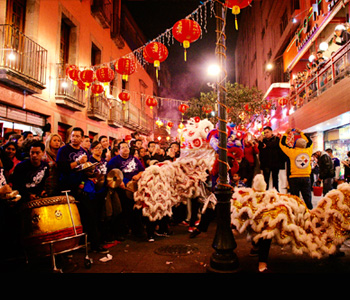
54 252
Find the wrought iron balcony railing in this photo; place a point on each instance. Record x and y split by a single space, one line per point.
21 57
98 107
67 94
336 68
135 119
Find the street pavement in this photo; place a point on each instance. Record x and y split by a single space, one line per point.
179 253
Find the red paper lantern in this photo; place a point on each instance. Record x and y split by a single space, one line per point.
207 109
170 124
183 108
124 96
267 106
73 75
125 67
236 6
105 75
69 68
87 76
97 89
282 101
247 107
155 53
186 31
83 85
151 102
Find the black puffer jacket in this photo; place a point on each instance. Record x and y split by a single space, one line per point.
271 155
325 164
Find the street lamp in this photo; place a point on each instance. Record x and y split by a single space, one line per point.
214 70
269 66
223 260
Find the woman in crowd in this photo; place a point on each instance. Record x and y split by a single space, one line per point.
52 144
11 150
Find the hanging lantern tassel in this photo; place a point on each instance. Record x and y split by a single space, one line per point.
186 44
236 10
156 65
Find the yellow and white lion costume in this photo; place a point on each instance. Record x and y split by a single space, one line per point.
287 220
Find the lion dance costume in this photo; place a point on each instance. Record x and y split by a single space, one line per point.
287 220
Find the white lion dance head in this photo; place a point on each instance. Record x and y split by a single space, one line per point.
195 133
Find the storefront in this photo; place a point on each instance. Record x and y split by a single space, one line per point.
334 134
338 139
19 120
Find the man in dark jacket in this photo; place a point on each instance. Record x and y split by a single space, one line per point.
272 159
326 168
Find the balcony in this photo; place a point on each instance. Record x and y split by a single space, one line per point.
98 107
23 62
135 119
102 11
67 94
116 115
325 95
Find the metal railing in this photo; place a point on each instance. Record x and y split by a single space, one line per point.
116 113
65 88
22 55
98 106
336 68
136 118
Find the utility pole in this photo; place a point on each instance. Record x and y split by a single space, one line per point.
223 260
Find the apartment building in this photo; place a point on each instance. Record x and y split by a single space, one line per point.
39 39
278 43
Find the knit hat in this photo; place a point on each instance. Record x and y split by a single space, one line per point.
300 143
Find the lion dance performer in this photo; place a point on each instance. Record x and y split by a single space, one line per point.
267 214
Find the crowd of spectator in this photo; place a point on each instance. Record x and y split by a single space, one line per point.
39 167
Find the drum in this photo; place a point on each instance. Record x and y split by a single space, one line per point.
51 221
131 188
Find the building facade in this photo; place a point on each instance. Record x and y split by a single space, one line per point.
288 49
39 39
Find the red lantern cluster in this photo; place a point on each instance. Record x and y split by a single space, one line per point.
125 67
151 102
186 31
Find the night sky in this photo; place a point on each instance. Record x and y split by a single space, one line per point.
189 78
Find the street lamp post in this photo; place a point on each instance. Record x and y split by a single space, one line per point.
223 259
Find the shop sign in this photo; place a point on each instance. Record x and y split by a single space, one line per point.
344 133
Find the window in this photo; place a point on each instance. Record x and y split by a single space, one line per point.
16 13
95 55
62 130
64 42
284 22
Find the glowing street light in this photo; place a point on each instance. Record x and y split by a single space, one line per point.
214 70
269 66
323 46
12 56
